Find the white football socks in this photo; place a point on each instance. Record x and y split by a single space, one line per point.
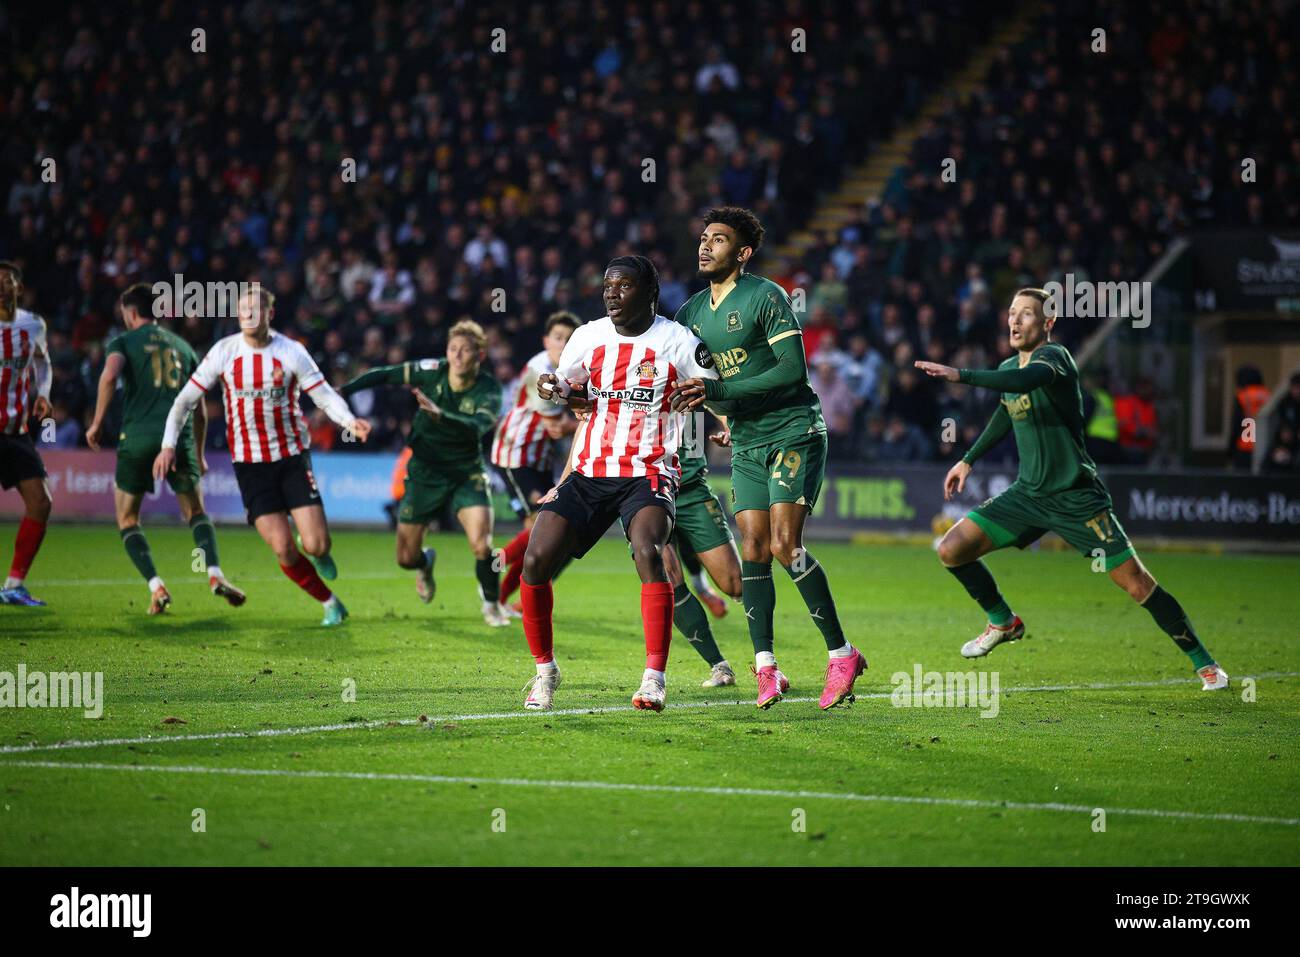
764 659
844 651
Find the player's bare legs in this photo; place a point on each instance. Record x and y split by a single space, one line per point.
413 556
692 621
37 503
723 567
551 541
476 520
648 532
313 537
314 533
1133 577
960 551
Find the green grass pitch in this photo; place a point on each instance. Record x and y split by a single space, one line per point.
1111 718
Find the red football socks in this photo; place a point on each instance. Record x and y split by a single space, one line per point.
657 618
303 573
513 556
538 601
26 545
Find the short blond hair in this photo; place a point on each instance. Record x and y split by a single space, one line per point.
1044 300
470 330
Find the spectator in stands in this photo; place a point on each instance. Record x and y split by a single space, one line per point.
1135 415
839 404
902 442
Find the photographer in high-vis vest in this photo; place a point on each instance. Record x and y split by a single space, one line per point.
1251 396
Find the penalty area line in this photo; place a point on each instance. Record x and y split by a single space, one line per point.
795 795
558 712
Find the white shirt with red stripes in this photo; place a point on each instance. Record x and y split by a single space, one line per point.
521 440
261 389
24 368
632 430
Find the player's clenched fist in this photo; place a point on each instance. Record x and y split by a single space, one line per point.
549 388
688 395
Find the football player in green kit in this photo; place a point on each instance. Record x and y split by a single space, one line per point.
153 364
777 437
1057 488
459 402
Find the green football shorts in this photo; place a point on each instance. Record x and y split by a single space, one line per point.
1083 517
428 494
701 519
135 457
789 471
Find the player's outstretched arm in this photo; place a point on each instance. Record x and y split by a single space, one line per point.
336 407
104 396
1033 376
380 375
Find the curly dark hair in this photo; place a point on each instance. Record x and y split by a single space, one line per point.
644 269
748 229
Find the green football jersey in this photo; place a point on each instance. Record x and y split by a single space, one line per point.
740 333
1048 424
158 364
452 443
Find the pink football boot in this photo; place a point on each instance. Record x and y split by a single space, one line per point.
840 675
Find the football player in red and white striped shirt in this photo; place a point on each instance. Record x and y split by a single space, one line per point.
24 394
524 440
262 375
623 464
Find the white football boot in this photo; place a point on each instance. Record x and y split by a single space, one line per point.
495 615
719 676
650 696
541 690
1213 678
991 637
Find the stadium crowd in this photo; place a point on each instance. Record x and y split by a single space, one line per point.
496 173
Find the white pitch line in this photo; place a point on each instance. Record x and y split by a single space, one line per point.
661 789
538 715
262 579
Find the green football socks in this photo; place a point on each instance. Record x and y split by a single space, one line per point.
979 584
758 595
810 579
693 622
137 548
1171 618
